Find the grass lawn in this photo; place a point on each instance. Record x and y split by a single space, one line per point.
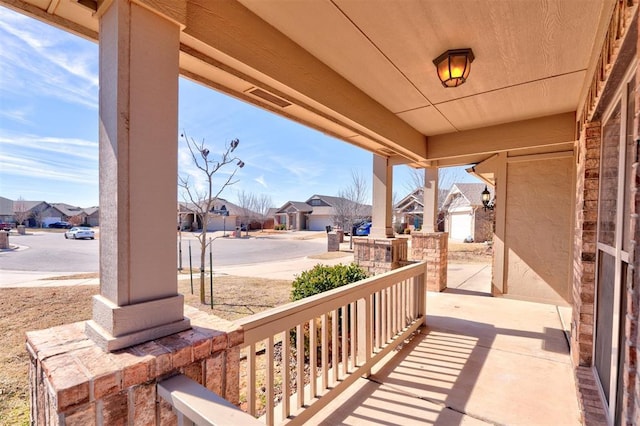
25 309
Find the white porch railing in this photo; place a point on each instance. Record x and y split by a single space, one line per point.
357 325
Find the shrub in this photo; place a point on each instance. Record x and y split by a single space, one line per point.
322 278
407 231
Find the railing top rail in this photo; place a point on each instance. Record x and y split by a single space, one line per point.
294 313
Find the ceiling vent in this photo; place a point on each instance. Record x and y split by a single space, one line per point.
266 96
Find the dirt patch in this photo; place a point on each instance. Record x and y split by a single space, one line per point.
31 309
331 255
235 297
470 252
25 309
84 276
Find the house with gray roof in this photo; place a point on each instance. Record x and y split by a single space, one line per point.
315 214
465 216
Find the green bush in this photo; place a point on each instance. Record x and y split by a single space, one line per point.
322 278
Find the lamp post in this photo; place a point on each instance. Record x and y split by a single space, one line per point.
486 199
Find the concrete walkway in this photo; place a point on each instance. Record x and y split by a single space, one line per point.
480 360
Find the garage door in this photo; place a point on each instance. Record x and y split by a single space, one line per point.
319 223
460 226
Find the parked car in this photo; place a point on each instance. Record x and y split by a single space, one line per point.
79 232
363 229
6 226
60 225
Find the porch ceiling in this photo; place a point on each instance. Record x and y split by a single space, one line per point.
363 71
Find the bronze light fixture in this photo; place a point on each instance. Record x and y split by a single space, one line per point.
486 199
454 66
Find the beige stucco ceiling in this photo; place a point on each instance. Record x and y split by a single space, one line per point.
363 71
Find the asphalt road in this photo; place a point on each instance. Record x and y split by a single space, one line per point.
51 252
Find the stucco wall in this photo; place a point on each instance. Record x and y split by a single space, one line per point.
538 237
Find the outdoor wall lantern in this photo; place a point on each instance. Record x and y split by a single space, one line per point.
454 66
486 199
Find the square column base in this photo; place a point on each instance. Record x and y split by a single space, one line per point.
379 255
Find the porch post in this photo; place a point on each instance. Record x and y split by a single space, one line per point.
382 198
430 193
138 298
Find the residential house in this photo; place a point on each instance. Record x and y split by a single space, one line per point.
75 214
408 212
6 210
224 216
466 218
293 214
92 216
545 108
317 213
41 213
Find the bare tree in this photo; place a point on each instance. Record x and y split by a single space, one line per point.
20 211
351 204
262 206
246 202
202 201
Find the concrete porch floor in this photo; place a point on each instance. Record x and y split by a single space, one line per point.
479 360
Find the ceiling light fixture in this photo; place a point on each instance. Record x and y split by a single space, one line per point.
454 66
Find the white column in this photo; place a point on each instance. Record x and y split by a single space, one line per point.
430 193
138 298
382 198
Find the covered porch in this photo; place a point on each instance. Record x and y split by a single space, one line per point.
548 115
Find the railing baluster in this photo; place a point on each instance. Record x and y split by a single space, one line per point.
345 348
286 377
378 320
395 311
313 357
403 304
251 379
383 317
388 314
325 352
353 334
300 361
334 345
269 381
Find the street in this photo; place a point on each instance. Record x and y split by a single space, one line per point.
51 252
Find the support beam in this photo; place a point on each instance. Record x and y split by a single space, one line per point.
498 280
138 298
382 198
430 192
537 132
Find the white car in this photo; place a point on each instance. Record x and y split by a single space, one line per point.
78 232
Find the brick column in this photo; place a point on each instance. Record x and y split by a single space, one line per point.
587 183
73 382
379 255
434 248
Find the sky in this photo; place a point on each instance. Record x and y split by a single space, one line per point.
49 129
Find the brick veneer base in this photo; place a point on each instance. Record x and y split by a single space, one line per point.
379 255
434 248
73 382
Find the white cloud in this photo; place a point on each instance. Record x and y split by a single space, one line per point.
260 180
38 60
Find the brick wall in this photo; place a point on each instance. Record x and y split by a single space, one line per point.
379 255
587 181
73 382
434 248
